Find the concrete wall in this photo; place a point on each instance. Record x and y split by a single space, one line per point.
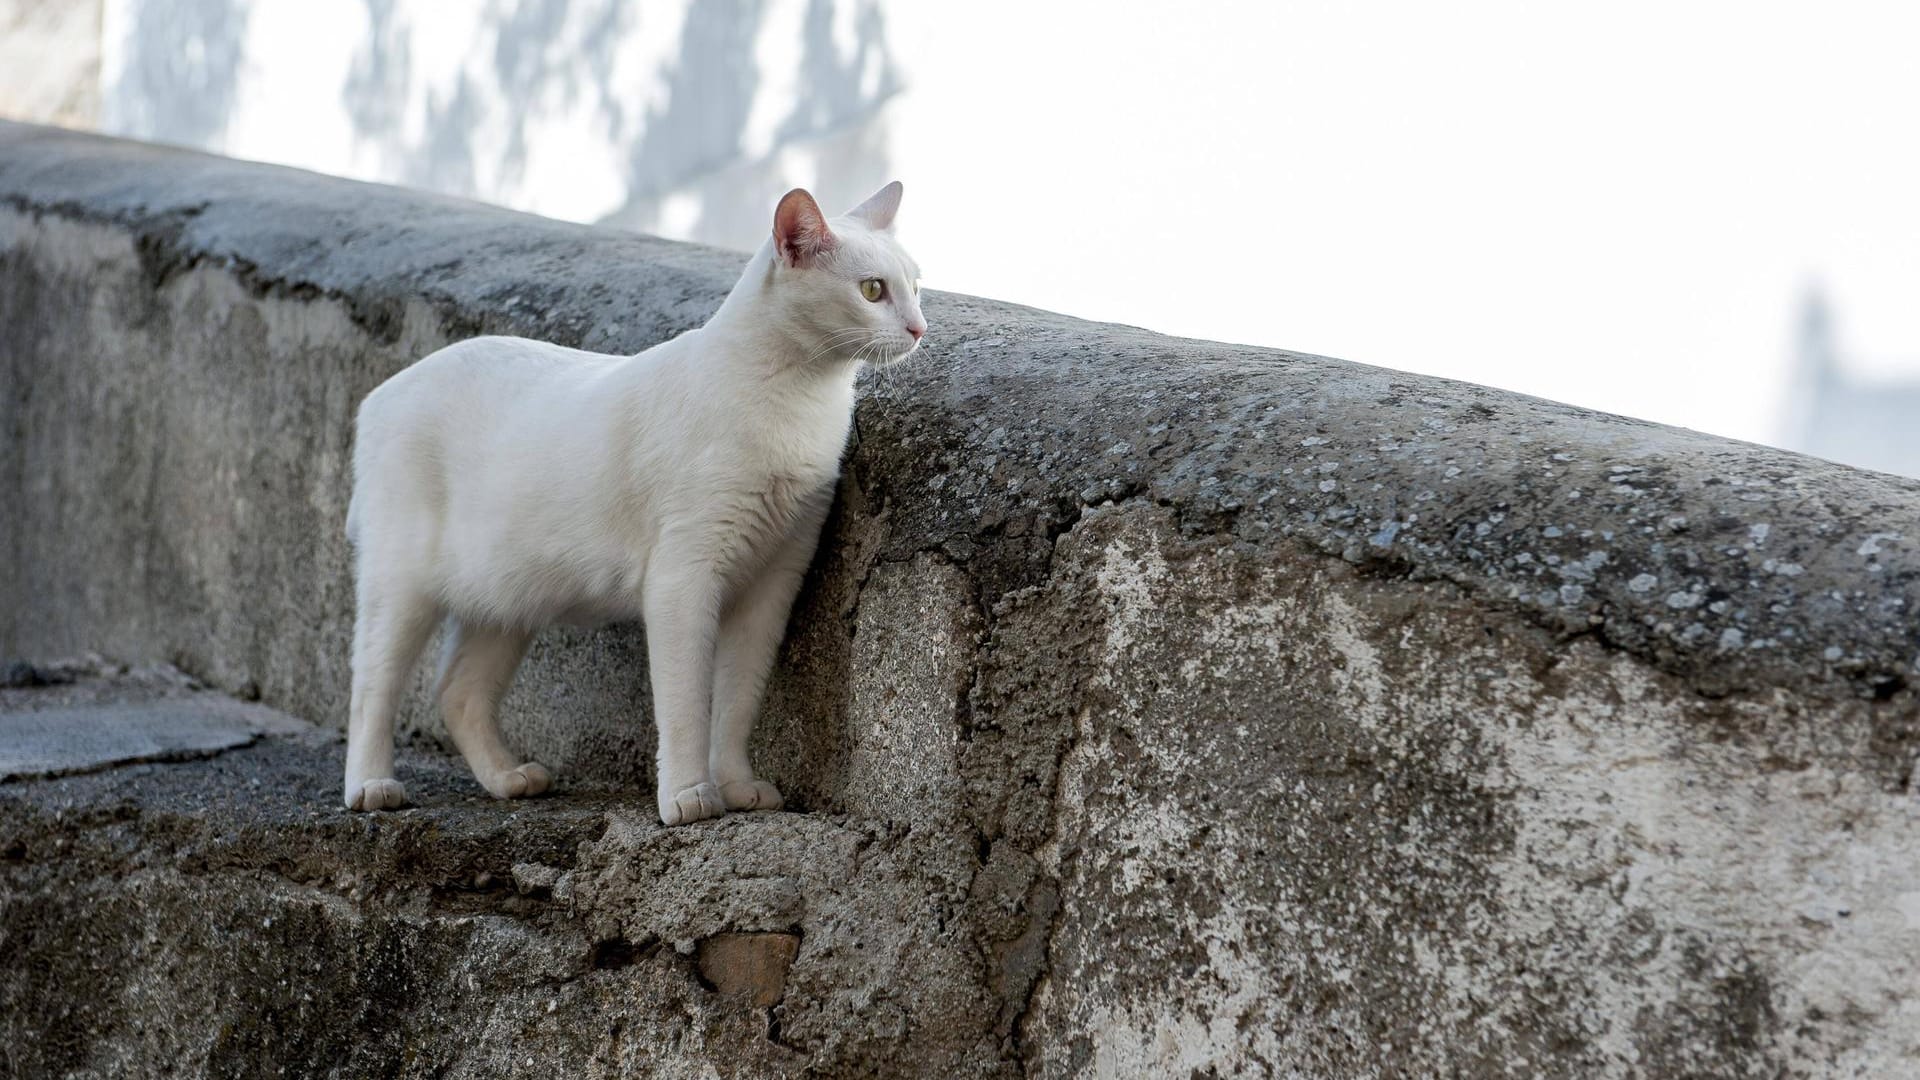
1196 709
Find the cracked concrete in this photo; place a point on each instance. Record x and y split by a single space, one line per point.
1155 707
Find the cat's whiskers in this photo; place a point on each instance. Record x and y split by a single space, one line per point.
860 354
878 339
839 339
883 376
877 380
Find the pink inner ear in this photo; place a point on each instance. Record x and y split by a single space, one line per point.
799 229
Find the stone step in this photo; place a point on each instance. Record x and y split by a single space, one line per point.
218 913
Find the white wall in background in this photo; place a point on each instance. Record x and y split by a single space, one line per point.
682 117
1619 206
50 61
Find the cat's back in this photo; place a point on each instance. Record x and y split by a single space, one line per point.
478 387
494 367
455 403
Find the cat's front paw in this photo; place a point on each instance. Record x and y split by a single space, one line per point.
520 783
751 795
688 805
385 794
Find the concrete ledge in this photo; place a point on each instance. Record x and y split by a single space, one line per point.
1222 709
219 916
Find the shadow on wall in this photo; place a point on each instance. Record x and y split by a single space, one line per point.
682 117
690 167
181 66
534 59
835 131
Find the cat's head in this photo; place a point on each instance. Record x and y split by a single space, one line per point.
845 284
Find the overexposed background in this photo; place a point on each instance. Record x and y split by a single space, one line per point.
1698 213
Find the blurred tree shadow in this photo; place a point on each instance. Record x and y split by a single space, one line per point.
710 90
182 64
690 150
835 125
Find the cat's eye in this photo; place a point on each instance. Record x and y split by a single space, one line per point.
873 289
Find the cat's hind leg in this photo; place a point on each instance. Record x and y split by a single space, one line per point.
390 627
475 672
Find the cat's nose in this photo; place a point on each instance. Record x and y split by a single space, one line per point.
916 331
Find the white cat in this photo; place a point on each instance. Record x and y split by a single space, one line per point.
507 484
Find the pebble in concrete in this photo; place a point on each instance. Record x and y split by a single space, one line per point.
753 966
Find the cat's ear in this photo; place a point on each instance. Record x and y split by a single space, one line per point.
800 231
879 209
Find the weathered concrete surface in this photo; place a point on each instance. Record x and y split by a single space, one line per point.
1159 707
1482 845
222 917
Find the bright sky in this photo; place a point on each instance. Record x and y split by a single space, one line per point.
1616 205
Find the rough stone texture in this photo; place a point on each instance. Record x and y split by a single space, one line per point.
223 917
1155 707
